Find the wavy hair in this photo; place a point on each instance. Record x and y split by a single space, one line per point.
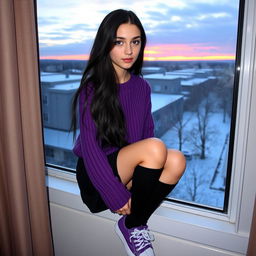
99 72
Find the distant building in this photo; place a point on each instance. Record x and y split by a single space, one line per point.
166 110
164 83
54 67
189 82
193 72
203 72
194 90
183 73
57 101
52 79
153 70
58 148
57 96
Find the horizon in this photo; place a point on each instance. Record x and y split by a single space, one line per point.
210 60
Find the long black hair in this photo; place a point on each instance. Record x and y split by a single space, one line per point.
105 107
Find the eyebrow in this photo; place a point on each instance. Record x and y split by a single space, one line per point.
120 37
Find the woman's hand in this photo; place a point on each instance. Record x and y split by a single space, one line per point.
126 209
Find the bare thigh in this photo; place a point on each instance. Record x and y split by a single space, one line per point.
150 153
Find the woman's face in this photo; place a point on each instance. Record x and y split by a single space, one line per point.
126 48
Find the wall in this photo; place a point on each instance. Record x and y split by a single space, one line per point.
77 232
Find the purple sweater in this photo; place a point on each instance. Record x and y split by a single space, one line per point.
134 97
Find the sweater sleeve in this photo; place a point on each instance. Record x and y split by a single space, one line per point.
148 128
113 192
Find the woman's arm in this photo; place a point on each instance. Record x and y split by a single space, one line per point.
148 128
112 191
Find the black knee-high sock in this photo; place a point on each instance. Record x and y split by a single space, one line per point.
144 181
161 190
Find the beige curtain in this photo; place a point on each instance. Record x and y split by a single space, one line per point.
252 240
24 212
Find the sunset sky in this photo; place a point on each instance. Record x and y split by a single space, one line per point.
176 29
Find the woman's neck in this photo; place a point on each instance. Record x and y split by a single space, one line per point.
123 77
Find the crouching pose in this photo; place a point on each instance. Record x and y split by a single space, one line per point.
121 166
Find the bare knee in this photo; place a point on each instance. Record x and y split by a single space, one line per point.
177 161
174 167
156 153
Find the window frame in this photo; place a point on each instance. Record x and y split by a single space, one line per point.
233 226
242 125
232 127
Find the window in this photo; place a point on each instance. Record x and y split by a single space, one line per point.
45 118
45 99
191 62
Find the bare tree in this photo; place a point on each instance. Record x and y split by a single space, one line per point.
224 89
193 182
200 134
180 129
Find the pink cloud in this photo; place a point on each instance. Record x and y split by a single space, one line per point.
186 52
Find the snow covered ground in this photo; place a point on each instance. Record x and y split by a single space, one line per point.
204 179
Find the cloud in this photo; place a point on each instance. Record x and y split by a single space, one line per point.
186 52
46 21
80 27
69 49
70 26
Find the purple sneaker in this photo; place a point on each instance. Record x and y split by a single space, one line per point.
137 241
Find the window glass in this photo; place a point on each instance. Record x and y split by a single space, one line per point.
189 63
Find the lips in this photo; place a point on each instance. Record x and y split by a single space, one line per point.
128 60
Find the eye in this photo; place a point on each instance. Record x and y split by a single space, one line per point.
136 42
118 42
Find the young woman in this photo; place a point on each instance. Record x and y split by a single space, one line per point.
121 166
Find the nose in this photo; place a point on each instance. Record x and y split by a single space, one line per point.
128 49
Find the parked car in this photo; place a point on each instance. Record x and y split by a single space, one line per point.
187 154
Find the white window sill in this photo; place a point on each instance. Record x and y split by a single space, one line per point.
183 222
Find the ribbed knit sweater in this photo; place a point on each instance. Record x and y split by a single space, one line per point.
134 97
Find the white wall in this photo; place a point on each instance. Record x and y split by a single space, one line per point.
79 233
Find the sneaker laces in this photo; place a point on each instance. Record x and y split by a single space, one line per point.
141 238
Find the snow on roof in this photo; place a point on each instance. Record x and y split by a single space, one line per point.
59 78
152 68
190 71
160 100
194 81
181 75
47 74
65 87
203 70
184 71
161 76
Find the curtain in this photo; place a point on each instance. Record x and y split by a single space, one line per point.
24 211
252 240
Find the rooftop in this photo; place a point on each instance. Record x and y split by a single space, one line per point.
59 78
66 87
194 81
152 68
160 100
161 76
